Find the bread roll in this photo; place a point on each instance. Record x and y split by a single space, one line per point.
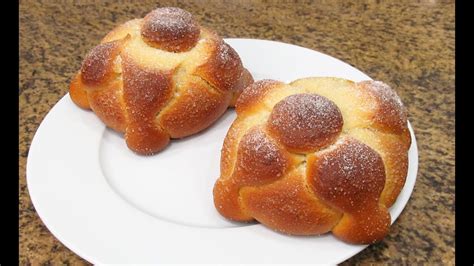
314 156
160 77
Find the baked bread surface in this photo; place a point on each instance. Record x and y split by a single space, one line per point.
160 77
314 156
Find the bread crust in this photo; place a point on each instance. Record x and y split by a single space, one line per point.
326 154
160 77
305 122
171 29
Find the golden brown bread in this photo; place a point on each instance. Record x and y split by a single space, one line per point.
315 155
160 77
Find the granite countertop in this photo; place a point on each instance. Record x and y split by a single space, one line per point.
410 46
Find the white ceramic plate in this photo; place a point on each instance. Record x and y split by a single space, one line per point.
110 205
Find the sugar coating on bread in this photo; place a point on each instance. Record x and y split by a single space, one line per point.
314 156
160 77
259 159
305 122
171 29
97 68
349 176
391 115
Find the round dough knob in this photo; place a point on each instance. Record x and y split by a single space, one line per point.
171 29
305 122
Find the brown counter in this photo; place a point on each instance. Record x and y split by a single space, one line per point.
410 46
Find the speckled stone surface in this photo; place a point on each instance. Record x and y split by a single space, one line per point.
408 45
